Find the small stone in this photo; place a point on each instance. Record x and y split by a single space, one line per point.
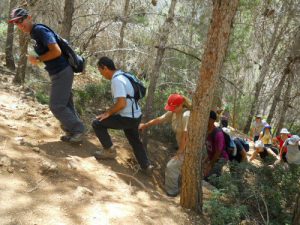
48 124
22 170
10 169
36 149
5 161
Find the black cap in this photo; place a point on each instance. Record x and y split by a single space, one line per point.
17 13
213 115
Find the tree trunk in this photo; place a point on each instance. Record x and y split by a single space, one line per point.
163 39
22 64
120 56
213 57
276 98
275 40
67 19
286 101
296 216
9 56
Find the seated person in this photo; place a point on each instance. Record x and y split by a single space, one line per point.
242 148
178 114
257 127
215 147
279 141
293 150
266 136
262 151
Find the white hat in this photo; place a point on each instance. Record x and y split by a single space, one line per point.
258 144
294 140
226 130
284 131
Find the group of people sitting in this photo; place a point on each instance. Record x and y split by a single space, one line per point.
284 147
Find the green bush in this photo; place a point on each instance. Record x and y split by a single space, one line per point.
258 193
42 97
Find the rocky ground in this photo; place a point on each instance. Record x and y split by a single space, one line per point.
44 181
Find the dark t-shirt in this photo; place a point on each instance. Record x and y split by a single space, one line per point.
43 37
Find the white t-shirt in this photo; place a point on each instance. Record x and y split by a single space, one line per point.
121 87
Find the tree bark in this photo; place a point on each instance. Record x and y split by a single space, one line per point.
22 64
275 40
296 216
286 101
120 55
213 57
9 56
163 39
67 19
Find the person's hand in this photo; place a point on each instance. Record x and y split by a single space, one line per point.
207 169
33 60
142 126
103 116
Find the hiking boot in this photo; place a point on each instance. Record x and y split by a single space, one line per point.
109 153
148 171
75 138
65 138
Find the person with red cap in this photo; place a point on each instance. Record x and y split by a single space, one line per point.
178 107
61 74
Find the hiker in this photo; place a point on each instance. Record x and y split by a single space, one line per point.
257 127
293 149
242 147
178 114
215 147
125 114
60 72
279 141
263 151
225 116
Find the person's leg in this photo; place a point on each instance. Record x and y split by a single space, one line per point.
61 85
139 151
101 129
172 174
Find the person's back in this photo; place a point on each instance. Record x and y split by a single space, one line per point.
293 149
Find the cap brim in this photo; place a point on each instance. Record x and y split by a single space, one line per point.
14 19
170 108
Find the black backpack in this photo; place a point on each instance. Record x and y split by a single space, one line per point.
77 62
138 87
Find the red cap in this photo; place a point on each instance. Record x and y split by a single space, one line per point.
174 100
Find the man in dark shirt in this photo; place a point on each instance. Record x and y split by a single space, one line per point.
61 73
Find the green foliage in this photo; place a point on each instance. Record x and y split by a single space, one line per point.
42 97
260 192
92 95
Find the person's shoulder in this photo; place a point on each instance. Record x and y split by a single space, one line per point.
40 29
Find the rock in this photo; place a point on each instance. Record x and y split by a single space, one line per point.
48 124
81 192
5 161
36 149
22 171
10 169
48 167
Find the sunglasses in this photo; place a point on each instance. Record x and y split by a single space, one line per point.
19 21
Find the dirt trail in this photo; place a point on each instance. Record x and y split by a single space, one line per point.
44 181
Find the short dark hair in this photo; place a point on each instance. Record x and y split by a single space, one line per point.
213 115
105 61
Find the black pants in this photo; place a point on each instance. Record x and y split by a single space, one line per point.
130 128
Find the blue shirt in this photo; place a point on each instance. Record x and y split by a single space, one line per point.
121 87
43 37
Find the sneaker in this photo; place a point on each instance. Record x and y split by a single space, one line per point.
149 170
75 138
109 153
65 138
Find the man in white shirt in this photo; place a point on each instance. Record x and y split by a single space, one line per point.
125 114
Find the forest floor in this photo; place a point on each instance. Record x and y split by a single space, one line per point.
44 181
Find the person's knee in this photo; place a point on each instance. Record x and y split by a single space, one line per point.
96 124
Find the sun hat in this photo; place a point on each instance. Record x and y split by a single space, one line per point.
284 131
